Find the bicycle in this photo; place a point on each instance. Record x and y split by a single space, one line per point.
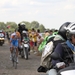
14 58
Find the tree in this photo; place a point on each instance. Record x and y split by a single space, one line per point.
42 28
12 25
34 24
2 26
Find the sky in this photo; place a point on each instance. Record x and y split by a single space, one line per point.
50 13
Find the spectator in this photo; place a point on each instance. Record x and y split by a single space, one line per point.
39 40
34 39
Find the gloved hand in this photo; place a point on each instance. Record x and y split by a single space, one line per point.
60 65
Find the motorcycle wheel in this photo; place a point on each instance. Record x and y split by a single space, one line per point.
1 44
26 53
22 54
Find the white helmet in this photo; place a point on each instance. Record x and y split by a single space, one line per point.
70 30
24 31
22 23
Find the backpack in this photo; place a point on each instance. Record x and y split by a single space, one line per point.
68 54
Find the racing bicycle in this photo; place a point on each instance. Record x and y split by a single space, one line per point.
14 58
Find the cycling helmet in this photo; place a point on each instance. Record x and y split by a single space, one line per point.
62 30
70 30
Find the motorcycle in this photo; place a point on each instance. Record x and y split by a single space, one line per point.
70 70
2 41
25 49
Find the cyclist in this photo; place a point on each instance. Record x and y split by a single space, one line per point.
14 41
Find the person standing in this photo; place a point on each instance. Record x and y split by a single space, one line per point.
34 39
39 41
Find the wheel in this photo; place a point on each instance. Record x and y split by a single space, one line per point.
22 54
14 59
26 53
1 44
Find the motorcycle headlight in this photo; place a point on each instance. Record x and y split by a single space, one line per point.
1 38
25 41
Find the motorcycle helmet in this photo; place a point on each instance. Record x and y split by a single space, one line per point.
70 30
21 26
22 23
24 31
62 30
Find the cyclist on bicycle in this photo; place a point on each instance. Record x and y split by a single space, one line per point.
14 41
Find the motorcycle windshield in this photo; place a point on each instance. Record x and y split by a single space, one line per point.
69 72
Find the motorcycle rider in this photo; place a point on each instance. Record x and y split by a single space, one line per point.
66 50
25 38
21 27
60 37
25 35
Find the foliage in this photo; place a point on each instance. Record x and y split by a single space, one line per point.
2 26
13 26
42 28
34 24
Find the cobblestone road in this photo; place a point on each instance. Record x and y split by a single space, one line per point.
25 67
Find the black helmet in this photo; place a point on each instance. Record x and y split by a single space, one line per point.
21 24
62 30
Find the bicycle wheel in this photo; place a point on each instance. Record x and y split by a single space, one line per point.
12 58
15 59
